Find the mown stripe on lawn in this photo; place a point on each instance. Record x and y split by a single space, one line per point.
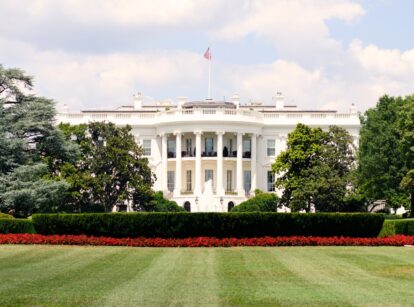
349 282
262 279
80 275
375 269
179 277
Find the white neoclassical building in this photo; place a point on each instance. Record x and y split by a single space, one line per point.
211 155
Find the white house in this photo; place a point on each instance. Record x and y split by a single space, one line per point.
211 155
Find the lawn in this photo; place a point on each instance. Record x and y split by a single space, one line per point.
122 276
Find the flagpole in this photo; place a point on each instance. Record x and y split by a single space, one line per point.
209 77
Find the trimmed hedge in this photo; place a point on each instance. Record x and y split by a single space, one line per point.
219 225
399 226
6 216
16 226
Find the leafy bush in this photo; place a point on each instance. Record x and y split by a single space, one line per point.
397 226
220 225
263 202
161 204
16 226
6 216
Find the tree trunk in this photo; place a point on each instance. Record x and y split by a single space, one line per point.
412 205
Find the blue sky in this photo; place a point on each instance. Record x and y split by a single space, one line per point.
320 53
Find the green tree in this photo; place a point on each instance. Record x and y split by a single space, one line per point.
110 170
315 169
25 191
382 163
29 144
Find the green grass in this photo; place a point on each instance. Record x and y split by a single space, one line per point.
121 276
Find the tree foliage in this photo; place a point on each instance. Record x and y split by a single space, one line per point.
386 152
315 169
30 147
111 169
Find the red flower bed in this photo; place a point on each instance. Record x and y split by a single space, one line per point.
398 240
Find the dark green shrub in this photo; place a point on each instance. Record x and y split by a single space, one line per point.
16 226
6 216
183 224
263 202
397 227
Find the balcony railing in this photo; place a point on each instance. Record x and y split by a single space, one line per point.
213 114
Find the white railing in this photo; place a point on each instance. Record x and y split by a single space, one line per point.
211 114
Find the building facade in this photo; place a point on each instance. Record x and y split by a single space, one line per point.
211 155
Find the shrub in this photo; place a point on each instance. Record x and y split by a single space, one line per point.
397 226
16 226
6 216
220 225
263 202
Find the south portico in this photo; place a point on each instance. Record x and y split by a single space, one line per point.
191 157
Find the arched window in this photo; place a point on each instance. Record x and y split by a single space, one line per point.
187 206
230 206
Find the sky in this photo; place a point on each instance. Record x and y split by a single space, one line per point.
321 54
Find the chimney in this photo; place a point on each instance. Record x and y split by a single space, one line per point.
280 101
236 100
180 101
353 109
138 100
65 109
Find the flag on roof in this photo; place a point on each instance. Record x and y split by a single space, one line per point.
207 54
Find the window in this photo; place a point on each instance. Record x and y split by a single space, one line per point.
270 181
188 181
229 181
247 145
171 148
230 145
271 148
146 145
247 182
208 175
170 180
188 147
209 146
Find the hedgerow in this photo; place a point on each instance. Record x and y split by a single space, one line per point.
16 226
398 226
219 225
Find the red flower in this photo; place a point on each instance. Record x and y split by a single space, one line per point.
398 240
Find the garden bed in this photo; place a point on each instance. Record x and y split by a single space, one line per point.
398 240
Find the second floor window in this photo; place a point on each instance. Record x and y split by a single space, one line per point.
209 145
171 148
188 147
271 148
146 145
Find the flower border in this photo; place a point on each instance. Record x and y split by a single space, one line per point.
397 240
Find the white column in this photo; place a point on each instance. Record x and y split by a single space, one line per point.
164 163
220 188
197 187
177 187
239 165
253 166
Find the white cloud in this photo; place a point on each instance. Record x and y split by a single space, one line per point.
297 28
104 80
115 12
313 69
390 62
